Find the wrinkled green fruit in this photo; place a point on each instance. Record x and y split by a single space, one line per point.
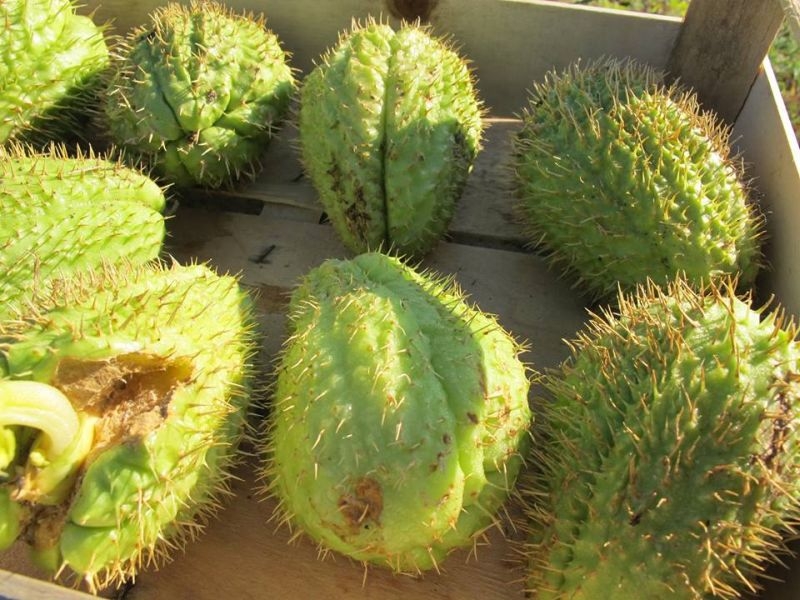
134 382
197 94
62 215
389 128
622 178
670 462
51 66
400 414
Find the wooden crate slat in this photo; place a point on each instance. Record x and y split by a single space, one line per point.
775 172
19 587
720 48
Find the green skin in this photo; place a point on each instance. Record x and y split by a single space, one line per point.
198 93
389 129
114 492
621 179
400 414
51 67
62 215
670 462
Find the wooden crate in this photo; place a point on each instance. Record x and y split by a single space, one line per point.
270 232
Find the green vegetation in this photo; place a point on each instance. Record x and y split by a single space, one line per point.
784 55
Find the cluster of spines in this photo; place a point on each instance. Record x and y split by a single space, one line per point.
372 198
303 308
171 140
744 543
58 108
584 103
212 453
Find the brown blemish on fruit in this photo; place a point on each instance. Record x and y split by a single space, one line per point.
440 459
364 505
358 218
781 419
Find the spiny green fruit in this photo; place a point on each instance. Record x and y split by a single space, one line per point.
197 93
62 215
51 66
399 414
127 387
670 463
389 128
623 179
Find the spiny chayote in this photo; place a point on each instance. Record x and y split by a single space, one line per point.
669 455
399 416
52 62
197 93
61 215
125 391
390 125
623 178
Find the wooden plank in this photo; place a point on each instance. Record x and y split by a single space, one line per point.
18 587
765 139
518 286
518 41
720 48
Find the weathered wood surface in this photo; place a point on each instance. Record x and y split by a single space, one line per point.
720 49
13 585
764 138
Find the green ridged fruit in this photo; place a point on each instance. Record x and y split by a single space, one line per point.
136 387
669 458
62 215
51 67
389 127
622 178
198 93
400 415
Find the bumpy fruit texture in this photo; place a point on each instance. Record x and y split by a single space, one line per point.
135 381
389 128
197 94
400 413
51 66
670 464
62 215
622 178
